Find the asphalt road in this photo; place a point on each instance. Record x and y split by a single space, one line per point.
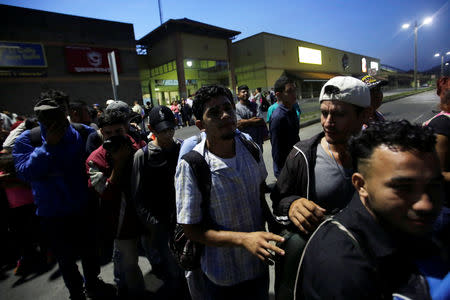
48 285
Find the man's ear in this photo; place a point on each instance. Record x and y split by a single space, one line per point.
359 182
365 114
199 124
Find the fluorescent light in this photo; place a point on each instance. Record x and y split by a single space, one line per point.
427 21
405 26
437 55
448 53
364 65
309 56
446 64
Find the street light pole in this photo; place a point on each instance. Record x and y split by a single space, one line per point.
415 55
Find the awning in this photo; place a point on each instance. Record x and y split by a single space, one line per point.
310 76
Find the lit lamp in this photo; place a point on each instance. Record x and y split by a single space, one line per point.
442 61
406 26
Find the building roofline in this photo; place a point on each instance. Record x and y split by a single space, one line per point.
289 38
187 26
57 13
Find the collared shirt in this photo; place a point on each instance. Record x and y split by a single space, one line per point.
383 263
284 129
235 205
245 112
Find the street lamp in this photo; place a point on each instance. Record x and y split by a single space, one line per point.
406 26
442 61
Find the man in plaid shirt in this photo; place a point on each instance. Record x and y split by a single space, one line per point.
237 250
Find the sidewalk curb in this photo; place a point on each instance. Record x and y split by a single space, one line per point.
317 120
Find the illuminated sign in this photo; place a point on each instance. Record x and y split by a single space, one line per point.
22 55
89 60
309 56
374 65
364 65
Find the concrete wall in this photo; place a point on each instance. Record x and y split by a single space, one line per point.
55 31
203 47
250 63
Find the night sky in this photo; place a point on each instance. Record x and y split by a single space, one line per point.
370 28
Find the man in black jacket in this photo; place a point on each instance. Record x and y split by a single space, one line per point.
379 246
153 192
315 180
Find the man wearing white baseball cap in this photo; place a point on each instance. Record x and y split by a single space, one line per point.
316 179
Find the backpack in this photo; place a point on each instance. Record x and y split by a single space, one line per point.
187 253
35 134
442 113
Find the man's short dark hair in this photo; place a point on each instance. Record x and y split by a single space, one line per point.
112 117
280 84
205 94
400 135
77 105
243 87
59 96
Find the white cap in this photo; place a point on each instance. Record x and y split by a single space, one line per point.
108 102
346 89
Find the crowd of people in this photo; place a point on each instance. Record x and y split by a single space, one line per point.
359 211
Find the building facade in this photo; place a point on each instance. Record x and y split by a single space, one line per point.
182 56
262 58
42 50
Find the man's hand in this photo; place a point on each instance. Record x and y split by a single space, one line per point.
55 132
122 155
257 243
306 215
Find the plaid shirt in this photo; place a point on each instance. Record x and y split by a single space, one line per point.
235 205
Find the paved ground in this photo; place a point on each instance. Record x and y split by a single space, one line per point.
48 284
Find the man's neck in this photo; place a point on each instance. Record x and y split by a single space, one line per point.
338 151
221 148
287 105
244 101
165 145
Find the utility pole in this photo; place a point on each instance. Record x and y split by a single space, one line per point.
415 55
160 12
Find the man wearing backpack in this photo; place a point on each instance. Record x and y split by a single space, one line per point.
53 164
380 246
153 193
249 118
237 249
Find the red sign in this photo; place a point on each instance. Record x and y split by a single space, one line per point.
89 60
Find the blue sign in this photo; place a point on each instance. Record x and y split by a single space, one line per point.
29 55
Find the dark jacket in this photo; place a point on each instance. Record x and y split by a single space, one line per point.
116 206
296 179
284 128
377 265
152 184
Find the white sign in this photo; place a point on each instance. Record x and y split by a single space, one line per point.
309 56
374 65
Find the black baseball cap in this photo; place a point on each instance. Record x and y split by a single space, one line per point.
373 82
161 118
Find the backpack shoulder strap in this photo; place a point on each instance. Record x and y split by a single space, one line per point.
251 147
202 173
35 136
